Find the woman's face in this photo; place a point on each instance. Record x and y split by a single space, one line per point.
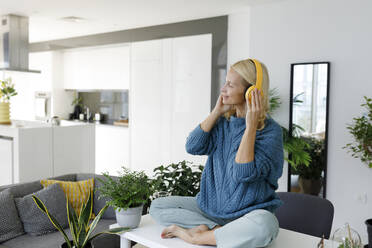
233 90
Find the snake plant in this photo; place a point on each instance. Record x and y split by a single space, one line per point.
81 230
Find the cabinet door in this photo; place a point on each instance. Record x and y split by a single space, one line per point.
147 103
191 95
73 149
105 67
112 149
170 95
6 165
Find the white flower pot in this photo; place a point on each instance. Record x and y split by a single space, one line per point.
4 113
130 217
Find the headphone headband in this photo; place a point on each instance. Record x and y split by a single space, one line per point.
258 84
258 73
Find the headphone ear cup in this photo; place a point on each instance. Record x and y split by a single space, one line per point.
248 93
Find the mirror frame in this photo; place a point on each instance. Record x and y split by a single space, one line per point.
326 126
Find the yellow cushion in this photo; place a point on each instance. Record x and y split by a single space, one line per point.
76 192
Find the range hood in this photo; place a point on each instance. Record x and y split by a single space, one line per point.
14 43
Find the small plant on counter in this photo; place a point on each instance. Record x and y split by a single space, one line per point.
78 101
7 90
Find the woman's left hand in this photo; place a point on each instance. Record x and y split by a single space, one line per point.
254 110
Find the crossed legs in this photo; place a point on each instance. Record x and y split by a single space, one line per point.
183 219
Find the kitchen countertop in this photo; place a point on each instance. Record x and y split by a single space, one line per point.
95 123
11 130
38 124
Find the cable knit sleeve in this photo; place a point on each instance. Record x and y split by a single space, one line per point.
200 142
268 159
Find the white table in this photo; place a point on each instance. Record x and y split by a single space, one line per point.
148 234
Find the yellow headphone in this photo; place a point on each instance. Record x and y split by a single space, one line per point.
258 84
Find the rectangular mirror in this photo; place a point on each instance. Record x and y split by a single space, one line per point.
308 127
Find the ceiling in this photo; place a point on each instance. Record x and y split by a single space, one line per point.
112 15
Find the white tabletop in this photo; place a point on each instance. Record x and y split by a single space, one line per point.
148 234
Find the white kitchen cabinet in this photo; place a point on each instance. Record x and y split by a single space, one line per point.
37 150
6 165
170 95
73 149
111 148
191 83
97 68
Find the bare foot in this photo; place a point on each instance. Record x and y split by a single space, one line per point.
197 229
168 232
188 235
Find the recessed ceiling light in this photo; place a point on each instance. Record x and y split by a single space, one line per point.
72 19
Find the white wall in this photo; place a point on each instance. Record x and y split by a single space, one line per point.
338 31
50 80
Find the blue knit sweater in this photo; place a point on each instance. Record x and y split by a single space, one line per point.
228 190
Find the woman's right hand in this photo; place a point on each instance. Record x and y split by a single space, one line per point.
221 108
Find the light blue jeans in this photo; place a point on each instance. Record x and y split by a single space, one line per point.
257 228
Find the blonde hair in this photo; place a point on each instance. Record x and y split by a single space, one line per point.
247 70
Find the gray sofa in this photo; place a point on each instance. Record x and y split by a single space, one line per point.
55 239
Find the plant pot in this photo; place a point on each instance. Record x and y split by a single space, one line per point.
88 245
369 231
310 186
130 217
4 113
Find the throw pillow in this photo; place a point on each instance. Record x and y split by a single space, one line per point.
10 224
77 192
35 221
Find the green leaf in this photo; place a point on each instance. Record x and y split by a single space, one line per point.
72 221
86 211
53 220
94 223
118 230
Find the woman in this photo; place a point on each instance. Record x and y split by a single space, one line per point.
237 198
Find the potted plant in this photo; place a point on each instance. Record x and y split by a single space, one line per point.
307 153
361 130
78 106
292 144
6 92
178 179
310 175
81 230
127 195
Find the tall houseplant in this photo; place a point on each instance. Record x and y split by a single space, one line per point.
127 195
7 91
81 229
307 153
361 130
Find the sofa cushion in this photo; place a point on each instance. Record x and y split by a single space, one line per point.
67 177
35 221
22 189
10 224
77 192
55 239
